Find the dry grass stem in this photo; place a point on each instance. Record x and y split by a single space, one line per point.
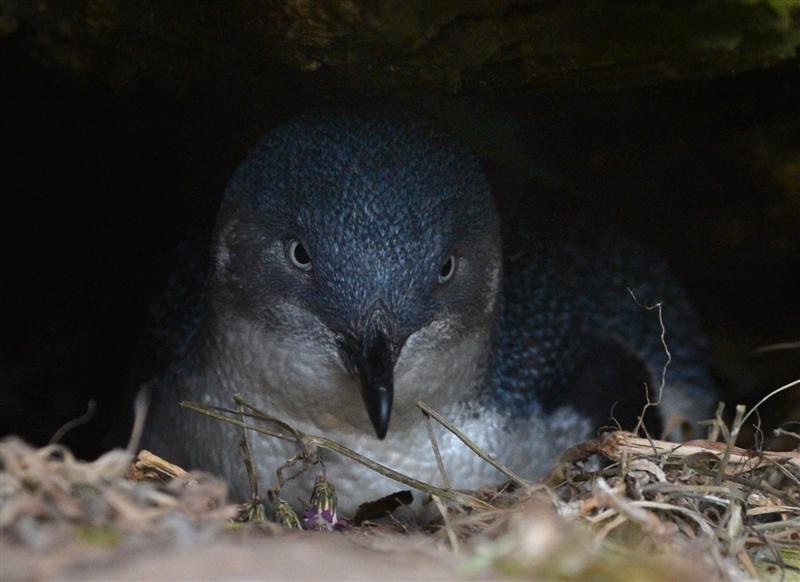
656 510
782 346
663 336
74 423
614 445
324 443
471 445
150 467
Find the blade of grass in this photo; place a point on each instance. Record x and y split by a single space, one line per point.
219 413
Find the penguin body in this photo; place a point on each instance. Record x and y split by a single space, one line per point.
357 266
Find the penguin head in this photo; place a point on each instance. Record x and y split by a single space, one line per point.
358 255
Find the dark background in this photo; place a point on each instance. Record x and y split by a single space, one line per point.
103 180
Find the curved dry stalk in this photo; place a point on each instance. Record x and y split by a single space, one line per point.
777 347
436 452
91 406
770 395
693 515
471 445
738 421
663 336
331 445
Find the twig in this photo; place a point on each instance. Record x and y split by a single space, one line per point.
247 458
747 563
758 434
150 466
74 423
783 432
140 407
693 515
451 534
722 427
609 497
793 524
777 347
260 414
472 445
615 445
651 404
328 444
699 491
713 431
738 420
770 395
435 447
307 454
619 519
734 527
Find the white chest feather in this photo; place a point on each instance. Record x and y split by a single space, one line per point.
300 380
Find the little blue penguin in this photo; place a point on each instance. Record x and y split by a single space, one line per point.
357 266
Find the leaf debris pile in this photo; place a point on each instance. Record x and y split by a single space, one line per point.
651 509
660 510
47 496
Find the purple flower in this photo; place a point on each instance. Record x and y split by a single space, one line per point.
321 513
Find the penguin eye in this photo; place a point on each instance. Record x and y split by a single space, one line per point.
447 270
298 255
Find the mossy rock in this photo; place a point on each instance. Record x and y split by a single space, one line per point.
389 46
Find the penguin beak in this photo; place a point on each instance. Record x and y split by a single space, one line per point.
370 355
375 366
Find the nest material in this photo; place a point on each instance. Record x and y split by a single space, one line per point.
659 510
47 496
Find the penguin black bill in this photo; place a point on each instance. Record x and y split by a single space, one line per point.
370 355
375 366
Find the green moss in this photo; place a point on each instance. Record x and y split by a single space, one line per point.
768 570
98 535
